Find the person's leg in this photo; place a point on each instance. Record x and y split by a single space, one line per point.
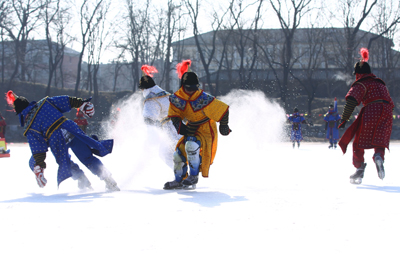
379 158
358 156
180 169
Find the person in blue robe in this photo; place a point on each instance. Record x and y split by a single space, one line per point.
43 122
296 120
332 119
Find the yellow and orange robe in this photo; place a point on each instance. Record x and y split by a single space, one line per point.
203 110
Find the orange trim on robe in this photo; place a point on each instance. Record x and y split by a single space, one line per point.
207 132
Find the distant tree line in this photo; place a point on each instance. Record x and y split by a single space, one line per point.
140 32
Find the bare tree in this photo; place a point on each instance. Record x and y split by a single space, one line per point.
88 18
4 10
173 16
135 38
386 22
352 14
289 22
96 45
26 17
311 59
53 16
206 50
245 40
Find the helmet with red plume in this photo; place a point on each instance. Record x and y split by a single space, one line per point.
189 79
362 66
18 102
146 80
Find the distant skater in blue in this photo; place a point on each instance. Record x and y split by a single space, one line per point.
332 119
296 120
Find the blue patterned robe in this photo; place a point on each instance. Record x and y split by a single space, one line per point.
42 122
332 132
296 121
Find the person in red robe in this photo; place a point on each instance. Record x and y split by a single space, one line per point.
80 120
373 126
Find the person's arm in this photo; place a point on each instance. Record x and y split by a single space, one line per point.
223 124
348 109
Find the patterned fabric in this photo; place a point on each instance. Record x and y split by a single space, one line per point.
332 132
156 95
40 117
373 125
296 134
201 102
198 110
177 102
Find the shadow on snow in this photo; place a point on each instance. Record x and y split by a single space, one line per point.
58 198
389 189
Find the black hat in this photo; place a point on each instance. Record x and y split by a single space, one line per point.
361 67
190 81
146 82
20 104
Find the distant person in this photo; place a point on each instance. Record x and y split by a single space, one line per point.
198 145
373 126
43 122
332 119
81 120
296 135
155 113
3 125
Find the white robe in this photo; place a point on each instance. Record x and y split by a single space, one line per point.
156 108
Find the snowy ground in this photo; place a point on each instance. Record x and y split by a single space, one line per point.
262 196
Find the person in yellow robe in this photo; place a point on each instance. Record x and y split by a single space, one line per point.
194 114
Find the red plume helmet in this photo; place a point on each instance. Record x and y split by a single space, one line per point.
364 54
10 97
148 70
183 67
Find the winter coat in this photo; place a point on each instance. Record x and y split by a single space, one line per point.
373 126
204 110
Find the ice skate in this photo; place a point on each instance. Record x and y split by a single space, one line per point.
111 184
330 146
84 183
357 177
379 166
190 182
173 185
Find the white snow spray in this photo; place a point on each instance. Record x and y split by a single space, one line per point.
256 123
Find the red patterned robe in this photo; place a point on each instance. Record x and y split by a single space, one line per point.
373 126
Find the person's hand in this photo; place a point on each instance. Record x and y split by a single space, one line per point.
342 124
38 171
224 130
87 109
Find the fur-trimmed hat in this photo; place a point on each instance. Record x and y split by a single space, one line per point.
362 67
189 79
19 102
146 80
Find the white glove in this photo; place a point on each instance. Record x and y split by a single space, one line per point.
87 108
39 176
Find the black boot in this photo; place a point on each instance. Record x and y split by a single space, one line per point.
357 177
